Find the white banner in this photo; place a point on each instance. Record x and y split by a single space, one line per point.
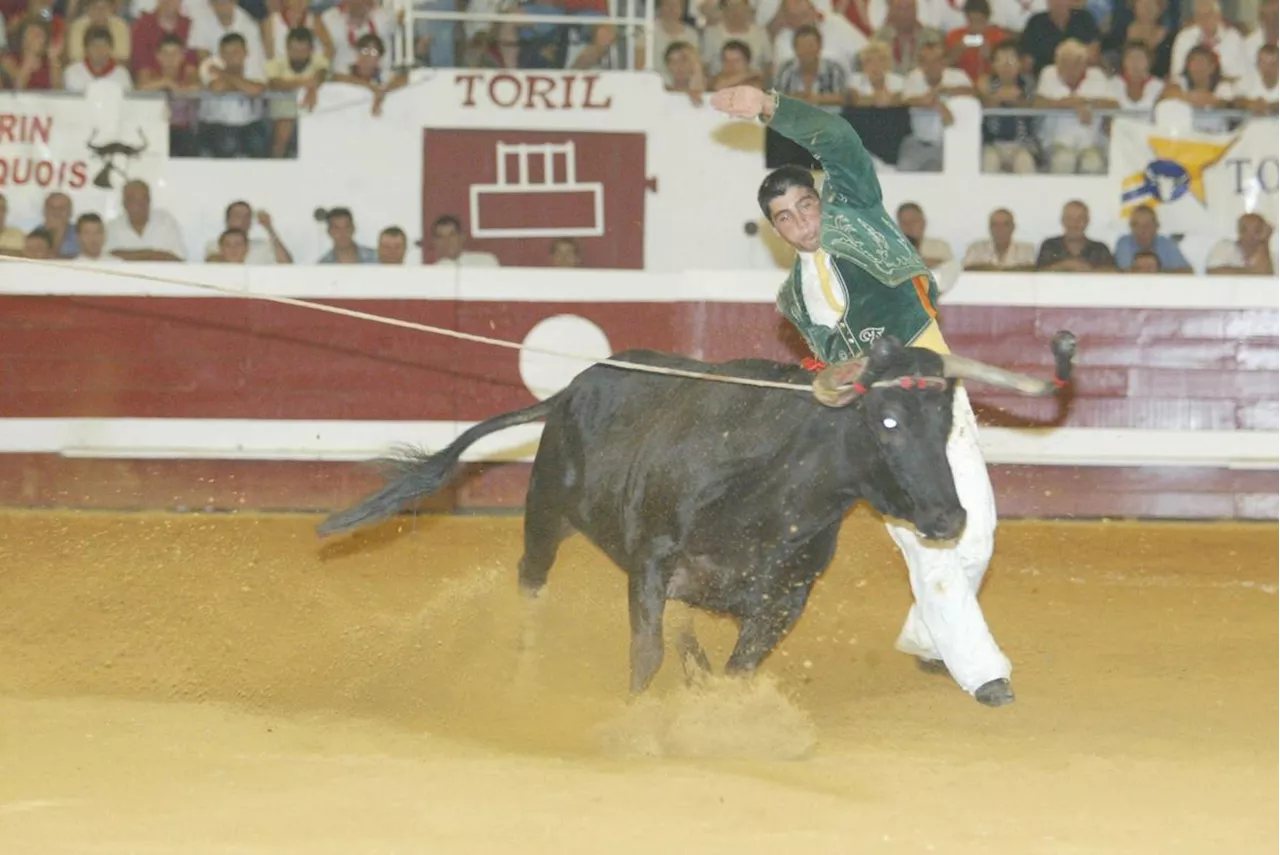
1196 182
85 146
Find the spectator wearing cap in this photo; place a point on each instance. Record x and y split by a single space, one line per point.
904 34
98 64
447 244
1144 236
1209 31
1073 137
928 87
1062 21
809 75
99 13
341 226
393 244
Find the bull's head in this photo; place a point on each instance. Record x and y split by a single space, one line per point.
904 397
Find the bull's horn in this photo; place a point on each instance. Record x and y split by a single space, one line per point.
1064 348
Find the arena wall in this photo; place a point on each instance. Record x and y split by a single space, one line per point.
122 391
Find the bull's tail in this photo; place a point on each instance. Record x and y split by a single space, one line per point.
413 473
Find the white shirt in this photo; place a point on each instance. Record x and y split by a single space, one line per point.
893 83
841 42
926 124
984 252
231 108
207 31
935 250
944 15
161 233
1226 253
472 259
716 36
1013 15
1227 44
1252 44
1066 130
815 302
78 77
1253 88
1151 92
766 9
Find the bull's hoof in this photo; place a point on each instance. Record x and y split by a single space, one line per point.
931 666
994 693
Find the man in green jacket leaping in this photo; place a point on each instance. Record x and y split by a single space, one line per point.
856 278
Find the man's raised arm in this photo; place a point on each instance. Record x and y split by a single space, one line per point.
851 174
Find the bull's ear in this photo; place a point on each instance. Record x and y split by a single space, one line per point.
837 385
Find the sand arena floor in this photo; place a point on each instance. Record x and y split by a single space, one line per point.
228 684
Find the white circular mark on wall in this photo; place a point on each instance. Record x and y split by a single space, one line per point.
545 375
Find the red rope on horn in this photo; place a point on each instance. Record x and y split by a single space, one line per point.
1059 382
859 388
811 364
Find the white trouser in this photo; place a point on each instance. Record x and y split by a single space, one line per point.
946 621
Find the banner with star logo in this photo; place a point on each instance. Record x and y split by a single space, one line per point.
1196 182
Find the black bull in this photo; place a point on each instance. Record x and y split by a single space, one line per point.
724 496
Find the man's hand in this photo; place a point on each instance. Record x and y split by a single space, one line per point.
743 102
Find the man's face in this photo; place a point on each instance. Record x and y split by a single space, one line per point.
1001 227
239 217
670 10
1075 219
680 64
1252 232
342 231
808 48
57 210
299 51
233 248
168 7
912 224
225 11
97 53
391 249
137 201
368 60
99 12
447 241
1071 66
169 58
232 55
1207 17
564 254
37 247
733 62
1006 64
1136 65
797 216
875 64
1143 227
932 60
92 237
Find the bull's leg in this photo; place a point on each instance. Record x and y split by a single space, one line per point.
692 657
545 528
759 634
647 598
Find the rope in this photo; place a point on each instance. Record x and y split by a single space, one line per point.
411 325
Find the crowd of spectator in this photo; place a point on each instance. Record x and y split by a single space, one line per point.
144 232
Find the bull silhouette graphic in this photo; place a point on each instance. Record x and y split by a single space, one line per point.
108 152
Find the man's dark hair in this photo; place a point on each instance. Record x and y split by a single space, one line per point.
232 233
394 231
235 204
977 7
1006 46
1268 48
98 34
1142 47
740 47
673 49
41 233
910 206
807 30
1146 254
337 214
778 182
87 218
170 39
232 39
371 40
301 34
446 220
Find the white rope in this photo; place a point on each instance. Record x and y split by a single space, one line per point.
411 325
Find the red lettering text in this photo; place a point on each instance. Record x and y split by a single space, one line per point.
51 174
25 129
511 83
592 79
537 91
539 87
470 80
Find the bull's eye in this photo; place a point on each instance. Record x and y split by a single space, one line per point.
890 422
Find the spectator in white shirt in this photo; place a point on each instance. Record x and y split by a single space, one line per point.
92 237
231 122
219 18
1001 252
669 27
239 216
736 25
1075 142
911 221
1134 88
1259 93
233 247
1210 31
1249 254
1267 32
876 85
927 88
98 64
447 242
143 233
350 20
841 40
1201 85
